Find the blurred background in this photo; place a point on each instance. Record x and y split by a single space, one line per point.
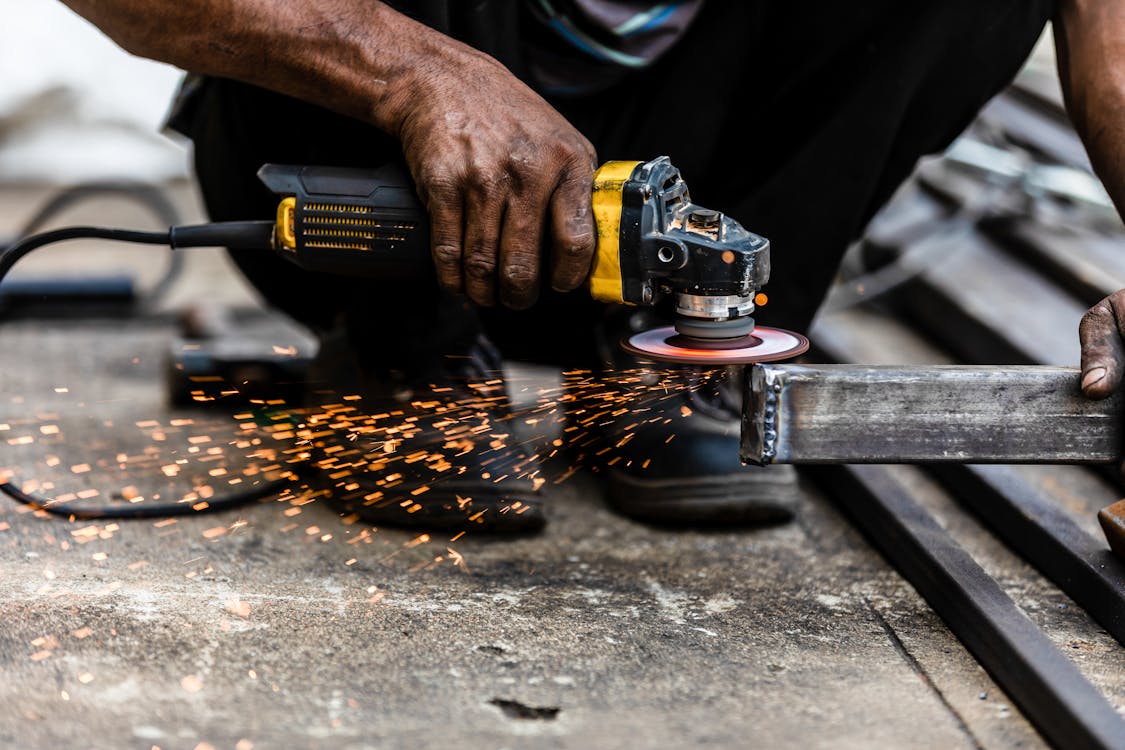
74 106
77 111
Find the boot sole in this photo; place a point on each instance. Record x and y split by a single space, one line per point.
703 501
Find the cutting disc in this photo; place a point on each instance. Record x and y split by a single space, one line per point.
764 345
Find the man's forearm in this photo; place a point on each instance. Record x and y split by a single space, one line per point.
502 173
357 57
1090 41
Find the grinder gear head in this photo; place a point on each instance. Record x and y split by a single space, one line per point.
655 244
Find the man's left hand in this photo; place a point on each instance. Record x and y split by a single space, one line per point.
1103 348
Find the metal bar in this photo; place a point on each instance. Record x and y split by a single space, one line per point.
1029 519
1049 690
887 414
1033 516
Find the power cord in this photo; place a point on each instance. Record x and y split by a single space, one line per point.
248 234
156 510
144 194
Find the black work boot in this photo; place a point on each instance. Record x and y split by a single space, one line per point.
666 439
427 451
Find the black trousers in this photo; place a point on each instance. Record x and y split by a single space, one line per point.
797 119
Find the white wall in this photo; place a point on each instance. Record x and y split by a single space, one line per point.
74 106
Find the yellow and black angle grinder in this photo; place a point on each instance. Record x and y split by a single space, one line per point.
653 245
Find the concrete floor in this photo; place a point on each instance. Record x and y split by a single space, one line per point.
283 626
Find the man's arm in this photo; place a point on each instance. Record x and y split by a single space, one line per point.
501 172
1090 44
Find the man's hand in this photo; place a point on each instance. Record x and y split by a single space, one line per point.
503 176
501 172
1103 353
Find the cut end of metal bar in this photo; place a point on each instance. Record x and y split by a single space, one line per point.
1112 519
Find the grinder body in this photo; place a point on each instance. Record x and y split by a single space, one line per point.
653 244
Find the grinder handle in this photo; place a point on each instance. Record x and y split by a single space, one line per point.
366 222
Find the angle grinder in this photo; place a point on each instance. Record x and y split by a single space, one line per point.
653 244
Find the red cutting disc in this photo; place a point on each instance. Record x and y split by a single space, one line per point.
764 345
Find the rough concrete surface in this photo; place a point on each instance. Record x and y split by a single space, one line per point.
281 625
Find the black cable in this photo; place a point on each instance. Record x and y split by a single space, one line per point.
145 194
238 234
17 250
157 510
